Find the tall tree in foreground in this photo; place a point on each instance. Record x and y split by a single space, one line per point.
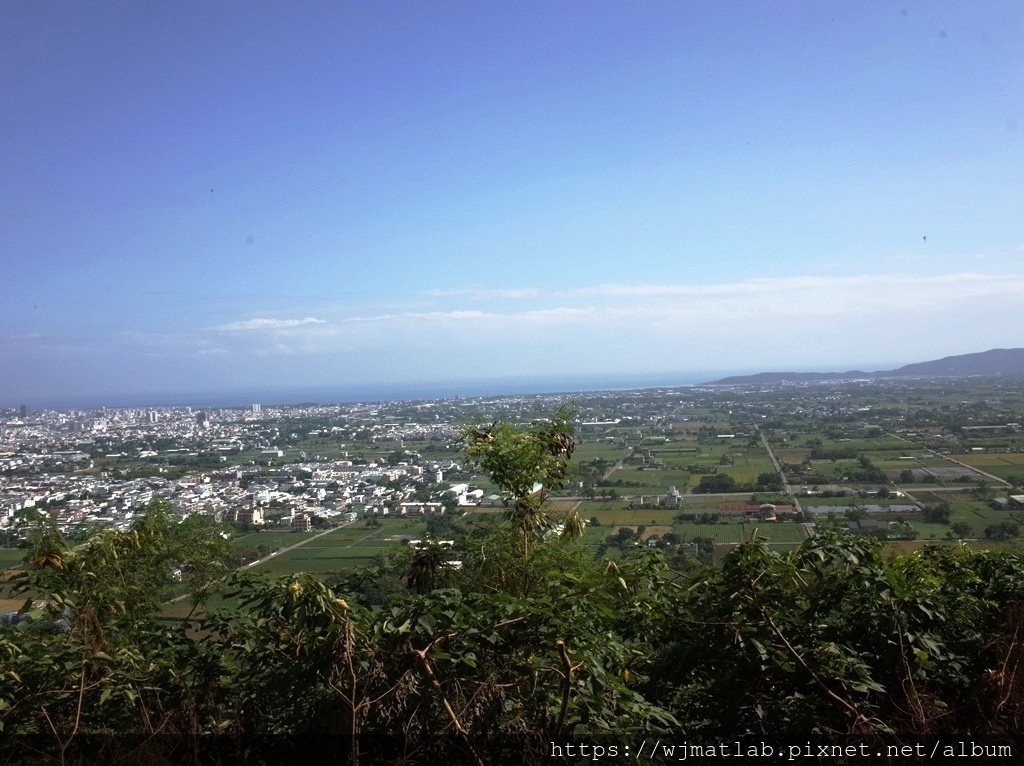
526 464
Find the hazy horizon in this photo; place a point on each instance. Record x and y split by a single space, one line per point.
341 393
210 197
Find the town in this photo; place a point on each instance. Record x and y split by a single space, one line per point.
695 470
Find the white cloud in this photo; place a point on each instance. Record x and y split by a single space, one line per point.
725 324
952 284
782 285
247 325
671 307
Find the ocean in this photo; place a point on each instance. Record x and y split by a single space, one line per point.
380 392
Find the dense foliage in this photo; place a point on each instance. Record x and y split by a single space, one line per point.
531 641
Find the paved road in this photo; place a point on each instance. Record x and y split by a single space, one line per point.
778 470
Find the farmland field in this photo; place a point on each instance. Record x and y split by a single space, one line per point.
933 498
651 482
695 503
341 548
790 455
926 531
738 533
852 499
588 507
910 546
590 450
1003 465
300 561
10 557
636 516
272 539
980 515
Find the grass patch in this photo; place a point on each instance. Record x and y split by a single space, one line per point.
11 557
739 533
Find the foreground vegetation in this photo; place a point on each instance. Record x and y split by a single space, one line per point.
529 640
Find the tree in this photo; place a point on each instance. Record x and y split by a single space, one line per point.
769 482
396 457
526 464
856 513
523 646
961 529
127 574
1005 530
440 525
905 531
423 568
717 482
97 660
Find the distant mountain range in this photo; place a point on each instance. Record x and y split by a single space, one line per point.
998 361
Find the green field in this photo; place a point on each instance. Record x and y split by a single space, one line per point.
1003 465
10 557
696 503
934 498
741 532
910 546
589 507
853 499
627 516
271 539
586 451
788 455
342 548
652 482
926 531
318 560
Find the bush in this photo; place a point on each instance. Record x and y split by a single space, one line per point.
1005 530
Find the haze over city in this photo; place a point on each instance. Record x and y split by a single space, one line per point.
225 197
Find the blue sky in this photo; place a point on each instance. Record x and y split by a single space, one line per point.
229 195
